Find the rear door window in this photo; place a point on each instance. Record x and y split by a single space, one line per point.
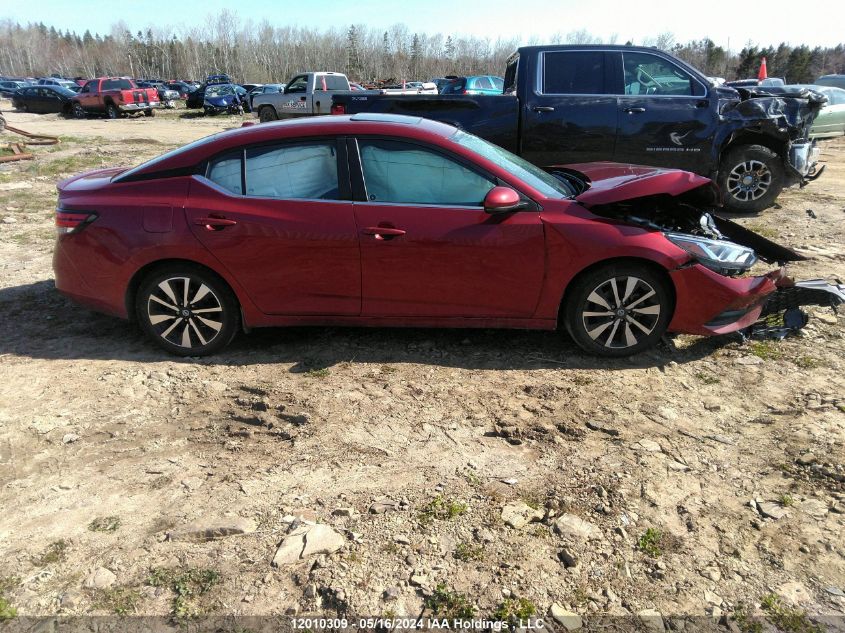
226 172
574 73
295 171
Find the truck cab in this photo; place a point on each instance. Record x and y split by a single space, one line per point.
304 95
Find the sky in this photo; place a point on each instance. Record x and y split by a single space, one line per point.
730 24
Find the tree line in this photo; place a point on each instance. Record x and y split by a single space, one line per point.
262 52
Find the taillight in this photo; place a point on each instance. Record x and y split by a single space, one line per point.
338 108
72 222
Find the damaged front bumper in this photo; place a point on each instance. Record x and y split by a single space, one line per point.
763 306
803 161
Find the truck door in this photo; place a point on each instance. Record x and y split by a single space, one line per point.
570 114
296 100
665 116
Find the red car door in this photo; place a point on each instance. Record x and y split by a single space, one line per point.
428 249
287 237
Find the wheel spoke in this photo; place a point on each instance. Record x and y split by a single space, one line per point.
594 334
630 339
160 318
164 303
609 342
165 286
214 325
647 295
206 310
197 332
185 293
629 288
652 310
186 336
203 290
598 314
170 329
596 298
615 290
631 319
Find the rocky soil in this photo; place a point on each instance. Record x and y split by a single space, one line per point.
389 473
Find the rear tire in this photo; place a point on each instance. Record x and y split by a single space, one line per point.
149 112
751 178
111 111
186 310
267 114
618 309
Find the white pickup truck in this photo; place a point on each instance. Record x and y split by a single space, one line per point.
311 93
304 95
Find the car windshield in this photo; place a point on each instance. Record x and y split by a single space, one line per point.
220 91
531 175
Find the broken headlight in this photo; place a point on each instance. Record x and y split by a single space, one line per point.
725 258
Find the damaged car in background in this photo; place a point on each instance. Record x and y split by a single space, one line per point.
384 220
632 105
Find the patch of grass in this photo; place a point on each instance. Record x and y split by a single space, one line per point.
786 501
318 373
650 542
66 165
472 478
448 604
119 600
388 369
765 231
807 362
787 619
56 552
441 509
468 552
707 379
767 350
745 622
105 524
514 611
188 586
7 611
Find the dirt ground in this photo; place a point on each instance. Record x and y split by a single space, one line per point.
449 468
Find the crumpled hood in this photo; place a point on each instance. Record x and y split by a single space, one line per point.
614 182
220 101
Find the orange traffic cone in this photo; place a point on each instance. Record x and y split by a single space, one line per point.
762 74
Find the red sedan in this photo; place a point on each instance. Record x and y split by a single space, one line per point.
382 220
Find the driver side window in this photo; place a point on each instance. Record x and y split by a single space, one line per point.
650 75
297 84
400 172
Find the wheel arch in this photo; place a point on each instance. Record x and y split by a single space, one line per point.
778 146
640 261
153 267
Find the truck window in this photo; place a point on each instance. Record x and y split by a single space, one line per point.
295 171
116 84
573 73
335 82
510 74
395 171
647 74
297 84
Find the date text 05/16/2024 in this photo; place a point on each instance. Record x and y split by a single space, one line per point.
341 624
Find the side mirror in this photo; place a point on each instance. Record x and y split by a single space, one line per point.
503 200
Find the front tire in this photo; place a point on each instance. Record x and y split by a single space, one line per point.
751 178
78 111
618 309
267 114
187 310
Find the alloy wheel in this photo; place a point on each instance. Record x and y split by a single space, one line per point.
749 180
185 312
620 311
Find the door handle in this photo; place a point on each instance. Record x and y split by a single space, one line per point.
543 109
214 224
634 110
382 232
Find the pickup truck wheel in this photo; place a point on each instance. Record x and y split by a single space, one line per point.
267 114
111 111
618 309
78 111
751 178
149 112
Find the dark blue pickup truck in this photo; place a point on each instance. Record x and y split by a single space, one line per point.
576 104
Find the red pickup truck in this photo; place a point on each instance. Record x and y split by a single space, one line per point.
114 96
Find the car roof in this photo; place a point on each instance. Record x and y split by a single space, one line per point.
305 127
